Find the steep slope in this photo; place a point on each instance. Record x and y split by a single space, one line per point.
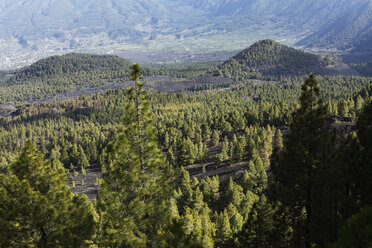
353 30
270 58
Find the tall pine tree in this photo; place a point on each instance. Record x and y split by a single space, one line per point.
134 195
299 173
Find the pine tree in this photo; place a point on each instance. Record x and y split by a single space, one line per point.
82 160
278 140
185 188
187 153
166 139
224 154
236 220
210 188
359 103
3 165
233 193
170 156
259 230
38 209
223 226
299 172
135 192
215 138
198 199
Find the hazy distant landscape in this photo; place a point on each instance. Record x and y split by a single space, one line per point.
177 30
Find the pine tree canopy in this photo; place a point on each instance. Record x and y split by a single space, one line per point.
135 193
38 209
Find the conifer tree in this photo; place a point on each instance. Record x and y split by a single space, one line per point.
38 209
185 188
187 153
135 192
259 230
170 156
236 220
223 226
234 193
215 138
224 154
278 140
82 160
299 171
363 177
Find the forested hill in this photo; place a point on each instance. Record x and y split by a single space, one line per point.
270 58
70 65
56 74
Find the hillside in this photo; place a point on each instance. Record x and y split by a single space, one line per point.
270 58
56 74
364 68
350 31
70 64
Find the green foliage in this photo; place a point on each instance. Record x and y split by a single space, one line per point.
38 209
259 228
134 193
223 226
357 230
187 152
298 173
56 74
224 154
268 58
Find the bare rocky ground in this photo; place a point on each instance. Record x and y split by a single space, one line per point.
224 170
90 184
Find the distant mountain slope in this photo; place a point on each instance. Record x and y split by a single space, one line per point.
352 30
270 58
60 18
365 68
34 29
